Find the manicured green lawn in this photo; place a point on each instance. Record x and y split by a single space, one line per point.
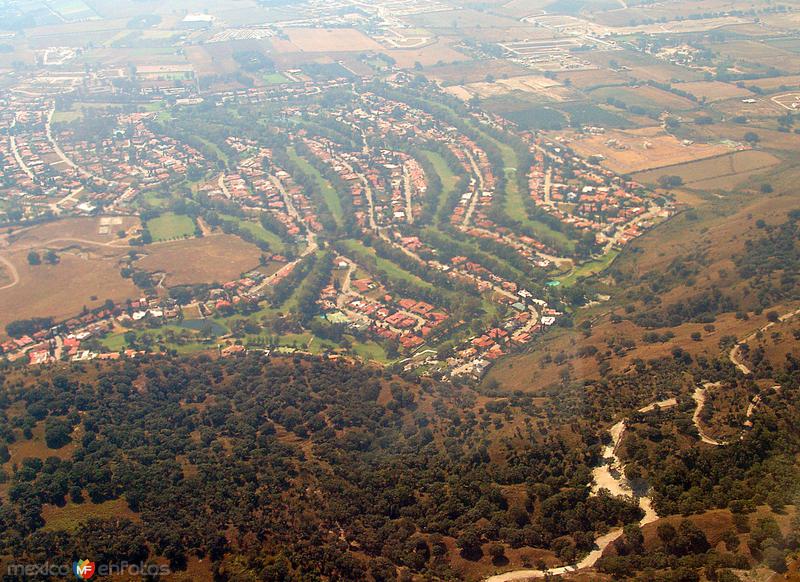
370 351
154 199
394 272
170 226
446 175
275 243
274 78
588 269
328 192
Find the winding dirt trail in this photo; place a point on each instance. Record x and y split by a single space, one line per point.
609 475
735 354
699 396
12 270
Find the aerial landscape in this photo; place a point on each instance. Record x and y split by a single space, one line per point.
407 290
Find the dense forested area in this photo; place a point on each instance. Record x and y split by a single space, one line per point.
772 261
298 462
282 469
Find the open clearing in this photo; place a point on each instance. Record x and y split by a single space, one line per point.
475 71
438 53
645 96
94 229
83 277
642 149
536 84
776 83
72 515
313 40
214 258
723 172
588 78
170 226
713 90
86 274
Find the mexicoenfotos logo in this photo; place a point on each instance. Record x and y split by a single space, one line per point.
84 569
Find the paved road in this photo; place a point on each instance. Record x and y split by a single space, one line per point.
477 193
407 187
20 162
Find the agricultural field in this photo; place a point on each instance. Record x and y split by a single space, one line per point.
719 173
439 53
312 40
644 97
713 90
535 85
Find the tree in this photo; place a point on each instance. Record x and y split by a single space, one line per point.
751 137
56 433
668 535
774 559
469 542
51 257
497 551
670 181
34 258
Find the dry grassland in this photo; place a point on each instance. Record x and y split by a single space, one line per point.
525 84
437 53
215 258
724 172
636 150
330 40
85 276
713 90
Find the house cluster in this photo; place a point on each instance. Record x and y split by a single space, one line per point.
398 182
587 196
130 156
70 340
232 295
33 177
480 192
368 306
52 168
258 185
